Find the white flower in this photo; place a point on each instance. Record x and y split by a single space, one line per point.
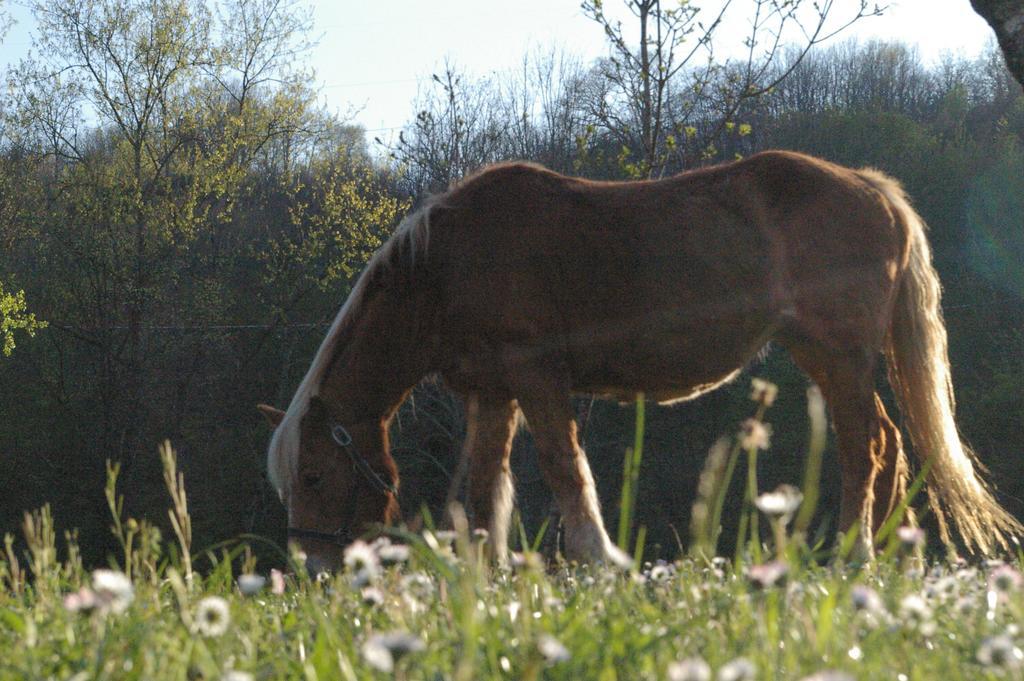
446 536
552 649
910 537
372 596
113 590
782 503
661 572
277 585
691 669
755 435
212 616
866 599
767 575
412 604
419 585
967 575
393 554
943 589
1000 651
965 606
362 561
527 561
250 585
378 657
441 544
388 553
916 614
83 600
763 392
1005 579
382 650
740 669
360 556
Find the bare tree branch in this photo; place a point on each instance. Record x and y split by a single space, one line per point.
1006 17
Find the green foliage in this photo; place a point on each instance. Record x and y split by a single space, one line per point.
338 214
14 316
176 222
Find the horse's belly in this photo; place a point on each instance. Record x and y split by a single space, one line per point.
666 368
662 394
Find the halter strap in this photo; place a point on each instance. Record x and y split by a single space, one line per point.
338 538
343 537
342 438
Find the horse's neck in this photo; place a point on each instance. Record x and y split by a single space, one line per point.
379 356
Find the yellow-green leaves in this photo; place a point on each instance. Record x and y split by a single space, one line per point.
14 316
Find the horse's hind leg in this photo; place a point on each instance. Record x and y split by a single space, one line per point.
892 468
870 459
565 469
491 491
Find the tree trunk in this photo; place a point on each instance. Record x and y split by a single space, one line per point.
646 124
1006 17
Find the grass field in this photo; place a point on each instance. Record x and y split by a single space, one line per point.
429 606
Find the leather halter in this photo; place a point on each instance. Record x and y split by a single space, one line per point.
343 536
344 440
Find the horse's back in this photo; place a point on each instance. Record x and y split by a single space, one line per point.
673 282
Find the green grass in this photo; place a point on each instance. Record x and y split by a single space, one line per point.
476 623
896 618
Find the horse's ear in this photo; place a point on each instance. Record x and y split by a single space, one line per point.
317 409
274 416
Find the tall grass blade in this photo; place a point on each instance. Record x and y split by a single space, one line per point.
705 515
180 519
900 511
815 452
723 489
748 502
630 477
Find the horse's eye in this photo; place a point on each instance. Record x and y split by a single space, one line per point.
311 480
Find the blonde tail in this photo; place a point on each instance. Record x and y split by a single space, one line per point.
919 372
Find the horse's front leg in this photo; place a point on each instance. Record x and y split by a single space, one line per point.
564 466
490 433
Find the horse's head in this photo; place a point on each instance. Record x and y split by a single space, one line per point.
333 474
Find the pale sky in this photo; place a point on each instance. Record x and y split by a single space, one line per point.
373 55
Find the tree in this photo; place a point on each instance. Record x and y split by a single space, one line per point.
455 131
1006 17
659 88
533 112
5 20
178 207
126 64
150 117
15 317
13 314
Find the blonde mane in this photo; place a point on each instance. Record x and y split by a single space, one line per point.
408 244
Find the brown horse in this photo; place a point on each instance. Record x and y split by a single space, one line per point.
520 286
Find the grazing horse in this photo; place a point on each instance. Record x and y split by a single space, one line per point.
520 286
